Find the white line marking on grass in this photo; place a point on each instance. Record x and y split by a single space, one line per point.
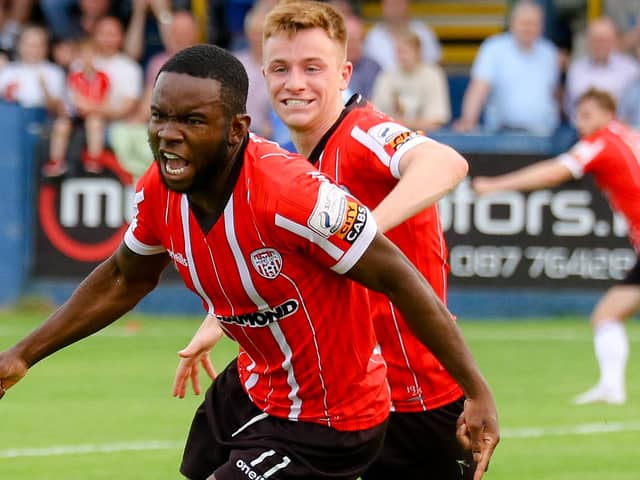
505 433
534 336
584 429
89 448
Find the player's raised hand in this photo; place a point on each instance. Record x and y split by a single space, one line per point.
196 353
477 430
12 369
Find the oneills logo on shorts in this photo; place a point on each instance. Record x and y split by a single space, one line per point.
267 262
263 318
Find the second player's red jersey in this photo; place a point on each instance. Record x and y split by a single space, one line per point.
269 269
612 156
362 151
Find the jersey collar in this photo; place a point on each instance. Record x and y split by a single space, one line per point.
356 101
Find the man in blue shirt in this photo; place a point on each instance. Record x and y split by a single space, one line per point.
514 78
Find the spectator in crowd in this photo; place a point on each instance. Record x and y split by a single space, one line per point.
365 70
128 137
379 44
31 80
258 104
140 22
515 78
416 94
604 67
629 104
14 14
608 150
73 19
125 81
87 92
64 51
625 14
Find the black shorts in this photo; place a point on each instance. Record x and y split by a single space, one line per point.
633 275
423 445
231 438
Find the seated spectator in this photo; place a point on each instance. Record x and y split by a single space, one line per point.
365 69
74 19
258 103
64 51
629 104
415 94
33 81
136 43
396 17
603 68
128 137
87 92
515 78
14 15
626 15
125 82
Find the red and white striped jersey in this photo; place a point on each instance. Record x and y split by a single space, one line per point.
612 156
269 269
362 151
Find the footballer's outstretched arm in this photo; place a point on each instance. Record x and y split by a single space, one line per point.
427 173
111 290
384 268
544 174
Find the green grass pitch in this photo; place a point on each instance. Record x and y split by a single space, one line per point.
102 409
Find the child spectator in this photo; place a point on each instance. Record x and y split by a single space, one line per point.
88 89
415 93
32 81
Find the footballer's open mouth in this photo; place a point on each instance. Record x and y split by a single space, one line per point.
173 163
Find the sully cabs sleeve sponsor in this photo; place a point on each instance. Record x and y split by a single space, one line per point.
336 227
389 141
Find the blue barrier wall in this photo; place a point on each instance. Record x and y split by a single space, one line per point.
19 132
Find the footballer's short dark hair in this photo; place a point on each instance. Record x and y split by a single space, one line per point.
210 61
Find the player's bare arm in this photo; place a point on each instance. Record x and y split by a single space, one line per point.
427 173
545 174
383 268
111 290
472 105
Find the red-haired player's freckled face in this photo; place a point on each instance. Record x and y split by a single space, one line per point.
306 74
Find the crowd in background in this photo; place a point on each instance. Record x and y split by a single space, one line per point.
91 64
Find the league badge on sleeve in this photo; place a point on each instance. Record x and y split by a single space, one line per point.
329 212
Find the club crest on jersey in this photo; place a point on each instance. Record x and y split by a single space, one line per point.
267 262
389 134
329 212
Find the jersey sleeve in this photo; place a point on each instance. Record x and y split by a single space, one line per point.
583 156
324 221
388 141
141 236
